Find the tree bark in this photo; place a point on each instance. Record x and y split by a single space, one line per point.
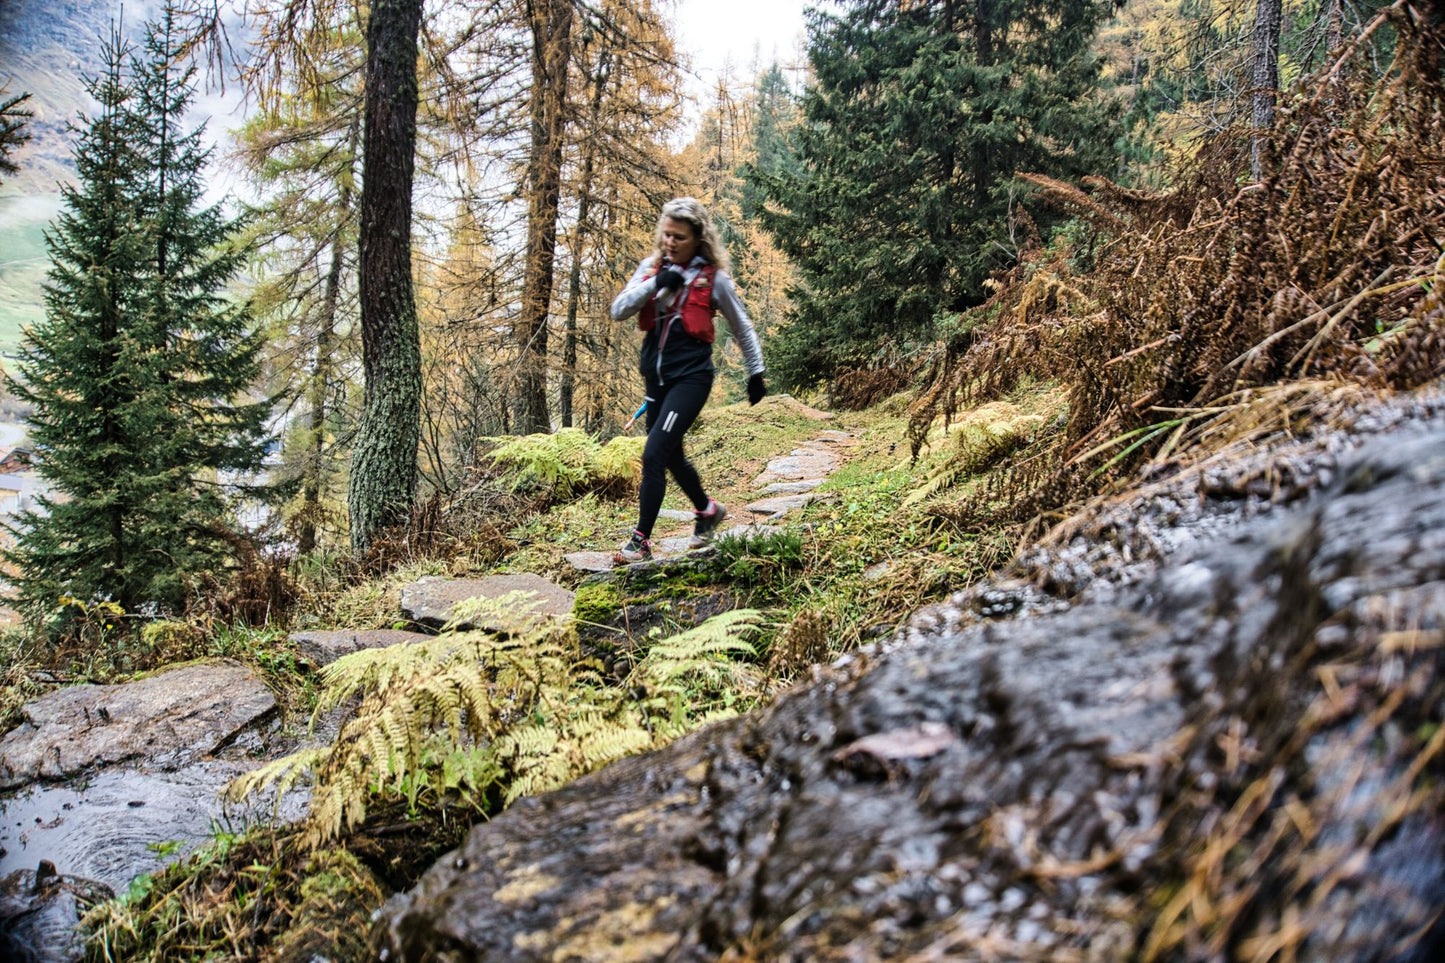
551 22
321 369
584 211
383 470
1268 16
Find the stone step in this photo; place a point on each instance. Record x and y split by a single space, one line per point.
792 488
782 504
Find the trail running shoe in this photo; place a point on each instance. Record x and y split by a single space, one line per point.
707 522
636 549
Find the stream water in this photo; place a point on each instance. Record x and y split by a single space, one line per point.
123 823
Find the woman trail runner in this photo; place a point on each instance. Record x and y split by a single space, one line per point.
676 292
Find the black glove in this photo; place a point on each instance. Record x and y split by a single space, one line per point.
756 389
669 280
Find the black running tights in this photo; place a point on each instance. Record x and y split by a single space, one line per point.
671 410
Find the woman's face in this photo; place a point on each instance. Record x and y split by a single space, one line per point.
679 240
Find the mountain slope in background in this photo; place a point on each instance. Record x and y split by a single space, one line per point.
47 49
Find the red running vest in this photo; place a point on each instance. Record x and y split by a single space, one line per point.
697 309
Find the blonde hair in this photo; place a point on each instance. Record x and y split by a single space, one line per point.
690 211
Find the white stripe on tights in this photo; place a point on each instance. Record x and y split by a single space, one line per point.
669 421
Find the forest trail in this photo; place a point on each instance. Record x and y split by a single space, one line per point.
788 482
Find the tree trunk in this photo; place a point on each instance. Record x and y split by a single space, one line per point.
383 470
315 471
1268 16
584 210
551 51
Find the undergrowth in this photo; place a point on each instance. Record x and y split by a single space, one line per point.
447 731
1204 300
1216 312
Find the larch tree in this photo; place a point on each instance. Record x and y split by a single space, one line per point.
621 90
618 169
1265 86
301 148
551 31
384 461
601 77
140 370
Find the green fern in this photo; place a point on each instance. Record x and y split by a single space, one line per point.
514 709
568 462
693 676
618 465
468 685
557 463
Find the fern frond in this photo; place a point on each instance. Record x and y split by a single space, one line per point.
519 612
607 740
556 462
720 636
618 465
282 773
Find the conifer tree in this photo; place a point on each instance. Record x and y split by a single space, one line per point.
917 120
13 116
136 371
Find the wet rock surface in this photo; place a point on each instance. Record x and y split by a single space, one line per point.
168 719
123 821
1205 722
39 913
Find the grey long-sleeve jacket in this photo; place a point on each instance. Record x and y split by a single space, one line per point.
681 354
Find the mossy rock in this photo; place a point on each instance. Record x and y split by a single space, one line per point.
596 602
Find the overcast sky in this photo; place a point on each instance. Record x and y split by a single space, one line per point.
739 31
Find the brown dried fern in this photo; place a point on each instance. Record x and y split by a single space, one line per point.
1328 269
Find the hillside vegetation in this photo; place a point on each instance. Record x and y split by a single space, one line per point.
1148 330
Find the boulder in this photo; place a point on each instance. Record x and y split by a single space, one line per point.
1223 744
324 646
430 601
168 719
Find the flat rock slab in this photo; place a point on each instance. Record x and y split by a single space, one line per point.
801 463
325 646
781 505
169 719
793 487
431 601
590 561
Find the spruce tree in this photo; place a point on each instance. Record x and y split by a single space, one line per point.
135 372
916 122
13 117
